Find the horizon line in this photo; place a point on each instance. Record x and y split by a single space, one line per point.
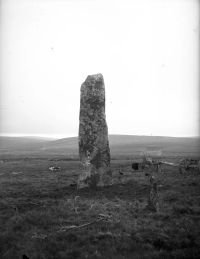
61 136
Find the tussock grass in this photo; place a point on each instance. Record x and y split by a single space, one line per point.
37 207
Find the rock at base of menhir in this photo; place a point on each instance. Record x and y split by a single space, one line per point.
94 149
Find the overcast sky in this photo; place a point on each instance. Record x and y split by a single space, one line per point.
147 51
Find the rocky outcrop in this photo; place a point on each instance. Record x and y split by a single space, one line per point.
94 149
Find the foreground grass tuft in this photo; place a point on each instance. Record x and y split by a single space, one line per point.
43 216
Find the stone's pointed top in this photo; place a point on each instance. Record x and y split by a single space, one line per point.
96 77
94 84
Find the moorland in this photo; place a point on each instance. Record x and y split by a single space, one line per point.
43 215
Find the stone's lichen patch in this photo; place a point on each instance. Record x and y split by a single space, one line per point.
94 149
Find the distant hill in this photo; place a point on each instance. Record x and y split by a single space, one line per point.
62 144
119 145
127 144
22 143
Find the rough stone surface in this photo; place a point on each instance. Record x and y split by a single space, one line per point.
153 202
94 149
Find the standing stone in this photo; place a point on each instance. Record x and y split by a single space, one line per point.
94 149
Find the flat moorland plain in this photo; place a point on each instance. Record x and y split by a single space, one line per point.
43 215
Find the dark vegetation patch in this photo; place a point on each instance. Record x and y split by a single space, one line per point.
39 209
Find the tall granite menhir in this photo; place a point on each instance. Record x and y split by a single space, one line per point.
94 149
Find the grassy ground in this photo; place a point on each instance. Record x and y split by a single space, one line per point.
39 210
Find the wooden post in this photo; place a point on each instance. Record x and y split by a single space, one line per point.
153 202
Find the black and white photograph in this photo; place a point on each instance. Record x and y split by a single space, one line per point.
99 129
